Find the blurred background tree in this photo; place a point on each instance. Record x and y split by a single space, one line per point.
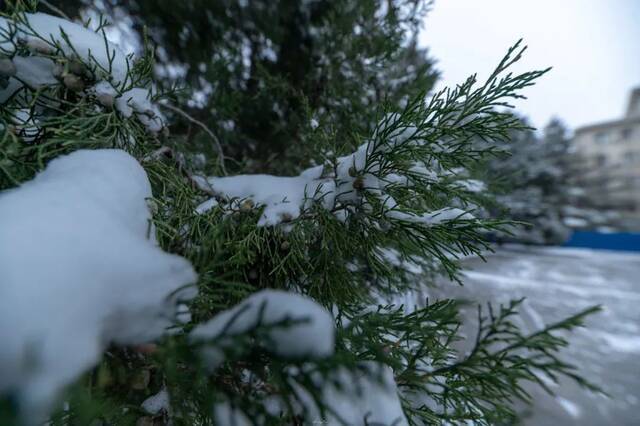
262 74
538 183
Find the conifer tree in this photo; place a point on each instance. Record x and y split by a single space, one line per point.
291 319
257 73
537 184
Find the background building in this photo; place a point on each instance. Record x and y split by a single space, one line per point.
608 159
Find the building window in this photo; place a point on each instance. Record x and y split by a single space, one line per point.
632 156
601 160
632 183
626 133
602 138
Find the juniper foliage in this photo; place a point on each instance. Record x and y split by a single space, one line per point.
257 72
349 258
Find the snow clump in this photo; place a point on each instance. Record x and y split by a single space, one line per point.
106 74
297 326
78 271
336 187
367 396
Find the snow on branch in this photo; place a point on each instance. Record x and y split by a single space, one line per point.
363 394
295 326
40 50
368 395
79 270
46 34
359 180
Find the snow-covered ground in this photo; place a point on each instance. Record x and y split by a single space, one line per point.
561 281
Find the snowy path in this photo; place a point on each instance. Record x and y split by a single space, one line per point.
558 282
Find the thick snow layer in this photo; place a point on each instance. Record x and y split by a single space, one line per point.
367 397
311 332
78 271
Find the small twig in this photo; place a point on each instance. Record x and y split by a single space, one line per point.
198 182
55 9
205 128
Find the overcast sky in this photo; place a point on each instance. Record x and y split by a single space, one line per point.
593 46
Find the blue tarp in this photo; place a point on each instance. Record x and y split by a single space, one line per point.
609 241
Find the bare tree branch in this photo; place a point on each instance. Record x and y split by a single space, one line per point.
204 127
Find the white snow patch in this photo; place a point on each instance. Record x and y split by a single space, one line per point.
227 415
311 334
570 407
575 222
41 31
204 207
283 198
533 315
78 271
620 342
471 185
105 93
433 218
614 255
138 101
358 398
546 379
157 403
27 126
35 71
513 282
394 258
